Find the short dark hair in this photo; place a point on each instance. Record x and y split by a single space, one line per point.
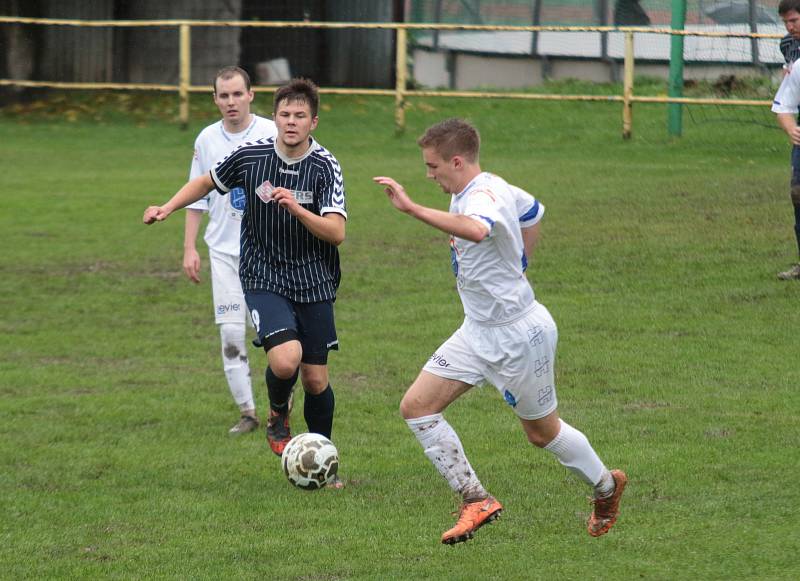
226 73
452 137
301 90
788 5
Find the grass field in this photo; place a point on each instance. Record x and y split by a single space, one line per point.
677 357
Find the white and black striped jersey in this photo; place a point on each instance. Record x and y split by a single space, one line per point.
278 253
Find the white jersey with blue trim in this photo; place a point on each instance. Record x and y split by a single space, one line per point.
787 99
490 274
223 232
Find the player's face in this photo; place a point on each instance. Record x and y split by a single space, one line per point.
792 22
233 100
442 172
295 123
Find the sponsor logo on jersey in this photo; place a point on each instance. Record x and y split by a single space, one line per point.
238 200
303 197
264 191
292 172
229 308
439 360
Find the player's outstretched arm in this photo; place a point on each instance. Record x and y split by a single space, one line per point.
455 224
190 192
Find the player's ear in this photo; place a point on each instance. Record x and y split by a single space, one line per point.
314 123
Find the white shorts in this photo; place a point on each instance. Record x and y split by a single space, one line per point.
517 358
229 305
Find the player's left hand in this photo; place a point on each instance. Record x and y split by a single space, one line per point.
286 200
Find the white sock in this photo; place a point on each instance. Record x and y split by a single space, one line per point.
606 486
235 364
443 447
575 452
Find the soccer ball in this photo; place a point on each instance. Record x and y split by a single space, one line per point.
310 461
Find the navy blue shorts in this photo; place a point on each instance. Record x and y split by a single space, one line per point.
278 320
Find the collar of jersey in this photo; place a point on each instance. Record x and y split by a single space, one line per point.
292 160
470 184
239 135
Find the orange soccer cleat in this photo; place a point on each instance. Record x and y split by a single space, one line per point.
278 433
473 515
606 509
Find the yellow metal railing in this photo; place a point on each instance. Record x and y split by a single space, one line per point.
400 91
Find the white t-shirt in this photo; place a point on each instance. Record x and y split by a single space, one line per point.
224 212
787 99
490 274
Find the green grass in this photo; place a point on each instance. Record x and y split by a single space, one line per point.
677 356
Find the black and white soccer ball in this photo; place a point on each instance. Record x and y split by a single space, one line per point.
310 461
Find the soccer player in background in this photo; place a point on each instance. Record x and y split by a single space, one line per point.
786 105
293 221
507 337
232 96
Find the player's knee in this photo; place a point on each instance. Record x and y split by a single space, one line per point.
538 439
283 368
408 410
542 431
234 348
284 359
314 381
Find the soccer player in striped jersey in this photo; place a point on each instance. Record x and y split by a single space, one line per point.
507 337
232 96
293 222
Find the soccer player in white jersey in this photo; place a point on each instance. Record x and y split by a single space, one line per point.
233 96
786 105
293 221
507 337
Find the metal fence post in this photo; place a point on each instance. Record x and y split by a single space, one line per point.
675 111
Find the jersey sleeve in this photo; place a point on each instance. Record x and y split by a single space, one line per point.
529 210
196 169
481 204
226 174
787 99
332 185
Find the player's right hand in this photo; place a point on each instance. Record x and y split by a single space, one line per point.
395 192
191 264
154 214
